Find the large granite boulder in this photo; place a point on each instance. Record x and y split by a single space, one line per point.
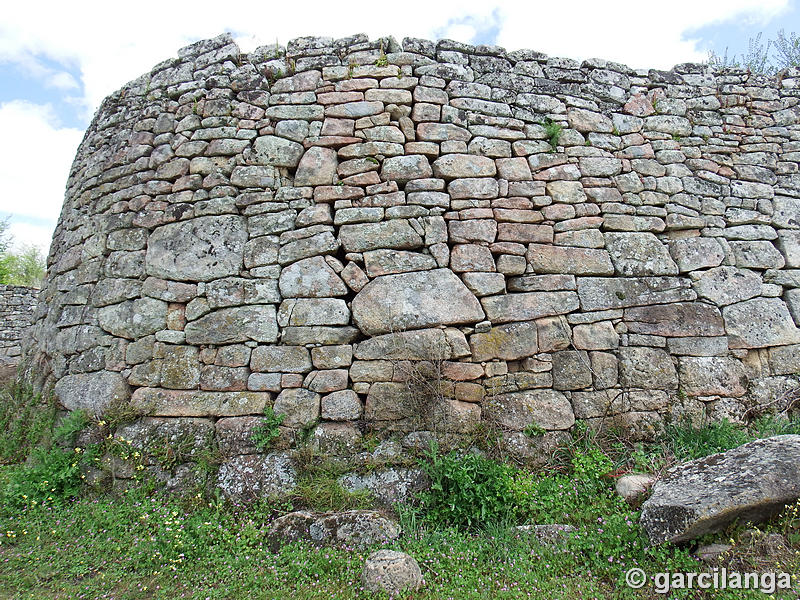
749 483
414 301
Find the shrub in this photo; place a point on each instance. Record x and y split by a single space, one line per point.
54 473
25 419
265 433
553 132
468 492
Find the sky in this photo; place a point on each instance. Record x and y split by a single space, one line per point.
58 59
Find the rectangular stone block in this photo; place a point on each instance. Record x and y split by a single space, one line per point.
602 293
194 403
565 260
528 306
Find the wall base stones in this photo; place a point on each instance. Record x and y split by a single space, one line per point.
378 242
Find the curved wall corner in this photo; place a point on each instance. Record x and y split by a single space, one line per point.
417 241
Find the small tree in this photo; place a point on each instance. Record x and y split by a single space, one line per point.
22 267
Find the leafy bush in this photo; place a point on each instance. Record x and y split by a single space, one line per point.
25 419
468 492
759 58
53 474
553 131
265 433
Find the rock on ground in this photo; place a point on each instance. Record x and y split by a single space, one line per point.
749 483
391 572
359 528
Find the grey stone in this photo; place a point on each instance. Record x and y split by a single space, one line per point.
758 254
454 166
749 483
548 409
233 325
599 293
571 370
679 319
281 359
387 262
639 254
277 151
527 306
342 405
728 285
568 192
317 167
300 407
506 342
251 477
391 572
759 323
195 403
306 312
133 319
355 528
646 368
789 245
414 301
388 486
566 260
712 376
403 169
311 278
420 344
314 245
93 393
396 233
200 249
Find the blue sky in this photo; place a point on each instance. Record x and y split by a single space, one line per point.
55 71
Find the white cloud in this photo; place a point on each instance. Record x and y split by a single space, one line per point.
34 162
30 234
110 47
625 31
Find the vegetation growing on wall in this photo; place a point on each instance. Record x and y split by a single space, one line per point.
766 57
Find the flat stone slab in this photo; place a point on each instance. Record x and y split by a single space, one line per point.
200 249
749 483
759 323
359 528
91 392
159 402
249 477
415 300
526 306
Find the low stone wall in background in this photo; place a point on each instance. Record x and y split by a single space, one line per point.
17 308
387 244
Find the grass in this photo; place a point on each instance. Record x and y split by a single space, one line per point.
76 543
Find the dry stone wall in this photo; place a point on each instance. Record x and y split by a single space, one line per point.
17 307
423 240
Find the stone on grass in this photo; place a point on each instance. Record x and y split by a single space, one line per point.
749 483
391 572
632 486
354 528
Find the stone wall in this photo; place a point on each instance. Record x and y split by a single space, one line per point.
17 307
427 240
